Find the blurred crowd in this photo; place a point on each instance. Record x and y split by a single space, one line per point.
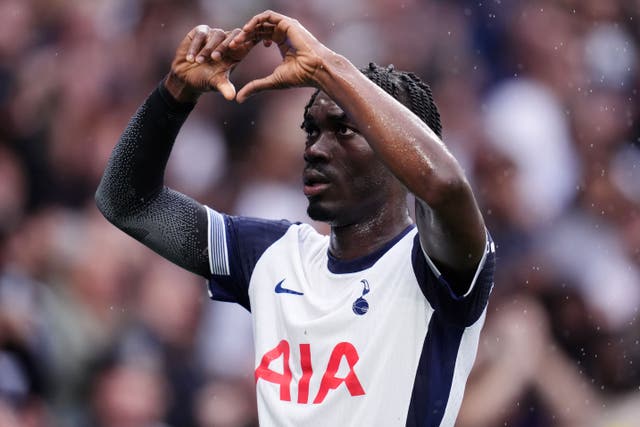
539 103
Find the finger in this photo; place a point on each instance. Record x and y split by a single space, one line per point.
266 31
198 36
214 37
261 32
280 32
227 89
224 86
242 38
267 16
264 19
256 86
221 49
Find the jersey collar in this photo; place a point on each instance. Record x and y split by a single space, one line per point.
339 266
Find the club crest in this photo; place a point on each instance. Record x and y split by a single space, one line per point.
361 306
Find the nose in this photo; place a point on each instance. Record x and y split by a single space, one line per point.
319 150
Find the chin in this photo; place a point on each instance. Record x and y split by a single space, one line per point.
318 213
333 217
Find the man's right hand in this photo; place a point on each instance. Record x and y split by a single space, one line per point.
199 67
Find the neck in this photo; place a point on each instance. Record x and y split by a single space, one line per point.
364 237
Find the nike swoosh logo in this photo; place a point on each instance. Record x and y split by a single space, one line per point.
282 290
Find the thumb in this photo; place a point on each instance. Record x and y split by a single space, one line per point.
227 90
256 86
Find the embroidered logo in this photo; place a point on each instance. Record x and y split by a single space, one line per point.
361 306
282 290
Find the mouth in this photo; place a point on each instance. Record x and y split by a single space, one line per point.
314 182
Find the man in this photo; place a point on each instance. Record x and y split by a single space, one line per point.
376 324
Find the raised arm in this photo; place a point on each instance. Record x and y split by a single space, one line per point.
449 222
132 194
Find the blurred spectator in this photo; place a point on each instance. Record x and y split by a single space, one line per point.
166 320
227 403
127 394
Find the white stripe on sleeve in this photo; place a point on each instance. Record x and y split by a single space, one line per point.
218 252
488 248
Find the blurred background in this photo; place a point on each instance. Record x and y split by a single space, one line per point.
539 102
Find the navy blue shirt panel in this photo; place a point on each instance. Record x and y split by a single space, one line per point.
247 239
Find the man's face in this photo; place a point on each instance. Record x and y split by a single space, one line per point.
344 181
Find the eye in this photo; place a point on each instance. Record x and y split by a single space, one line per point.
311 131
345 131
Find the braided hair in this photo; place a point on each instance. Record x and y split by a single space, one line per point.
404 86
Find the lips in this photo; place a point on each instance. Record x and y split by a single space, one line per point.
314 182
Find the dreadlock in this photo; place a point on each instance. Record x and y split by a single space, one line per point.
404 86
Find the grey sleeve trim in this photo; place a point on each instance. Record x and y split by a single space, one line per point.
218 250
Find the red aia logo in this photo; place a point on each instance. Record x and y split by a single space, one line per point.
329 380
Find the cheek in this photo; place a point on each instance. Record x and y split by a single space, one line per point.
369 177
359 158
365 176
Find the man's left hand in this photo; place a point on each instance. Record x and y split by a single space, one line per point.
302 54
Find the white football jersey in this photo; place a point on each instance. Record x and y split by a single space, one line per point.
377 341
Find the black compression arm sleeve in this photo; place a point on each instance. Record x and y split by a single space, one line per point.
133 197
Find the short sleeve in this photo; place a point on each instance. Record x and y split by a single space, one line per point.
462 310
235 246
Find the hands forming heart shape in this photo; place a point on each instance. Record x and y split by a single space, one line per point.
206 56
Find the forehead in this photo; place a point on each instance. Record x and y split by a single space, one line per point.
325 106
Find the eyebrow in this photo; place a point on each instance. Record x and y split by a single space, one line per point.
334 117
338 117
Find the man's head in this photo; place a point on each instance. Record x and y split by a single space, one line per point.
407 88
343 179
